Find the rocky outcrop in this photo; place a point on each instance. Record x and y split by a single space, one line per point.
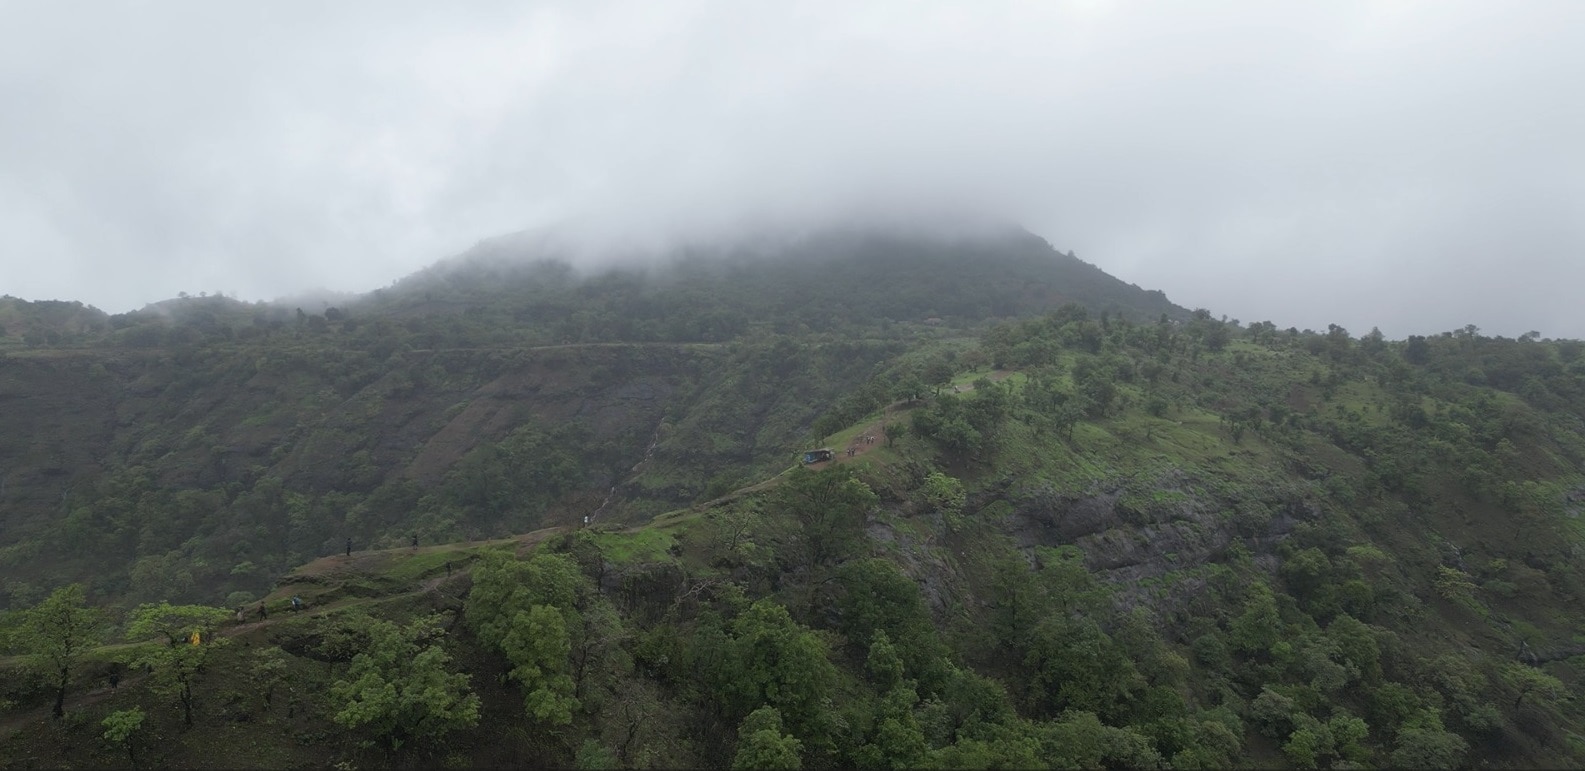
1132 533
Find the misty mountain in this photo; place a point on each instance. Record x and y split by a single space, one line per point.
1062 521
726 356
821 280
544 288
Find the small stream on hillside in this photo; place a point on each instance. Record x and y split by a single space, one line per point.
648 453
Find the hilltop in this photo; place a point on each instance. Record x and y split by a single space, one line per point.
487 396
1105 532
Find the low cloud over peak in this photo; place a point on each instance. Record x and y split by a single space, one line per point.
1408 165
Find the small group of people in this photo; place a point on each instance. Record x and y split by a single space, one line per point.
264 611
865 439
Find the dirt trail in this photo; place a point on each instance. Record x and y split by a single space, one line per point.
370 561
874 434
868 438
859 446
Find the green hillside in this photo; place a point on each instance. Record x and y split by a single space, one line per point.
1110 533
203 446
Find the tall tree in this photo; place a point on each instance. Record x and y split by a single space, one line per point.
781 663
188 632
1529 680
829 506
539 648
762 744
526 610
503 586
402 687
58 630
897 741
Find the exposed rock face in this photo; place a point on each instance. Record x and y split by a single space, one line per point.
1061 520
647 589
1128 532
929 564
1574 503
1129 535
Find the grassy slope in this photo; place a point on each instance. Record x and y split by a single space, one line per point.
235 728
1156 465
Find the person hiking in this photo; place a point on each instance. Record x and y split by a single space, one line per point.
415 540
349 547
297 603
241 615
263 614
448 567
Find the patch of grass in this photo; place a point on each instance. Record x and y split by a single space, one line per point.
429 562
629 547
676 517
968 378
257 420
846 436
1025 451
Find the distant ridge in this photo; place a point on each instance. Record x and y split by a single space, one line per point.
847 274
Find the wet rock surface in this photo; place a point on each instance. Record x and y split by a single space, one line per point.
1150 530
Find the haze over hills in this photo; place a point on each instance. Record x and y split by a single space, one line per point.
1268 161
1066 522
773 443
831 276
208 392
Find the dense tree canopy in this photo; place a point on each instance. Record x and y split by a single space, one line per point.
402 687
1093 536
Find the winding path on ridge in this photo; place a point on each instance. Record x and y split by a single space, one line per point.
370 562
876 431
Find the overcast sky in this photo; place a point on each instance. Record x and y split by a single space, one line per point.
1416 166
